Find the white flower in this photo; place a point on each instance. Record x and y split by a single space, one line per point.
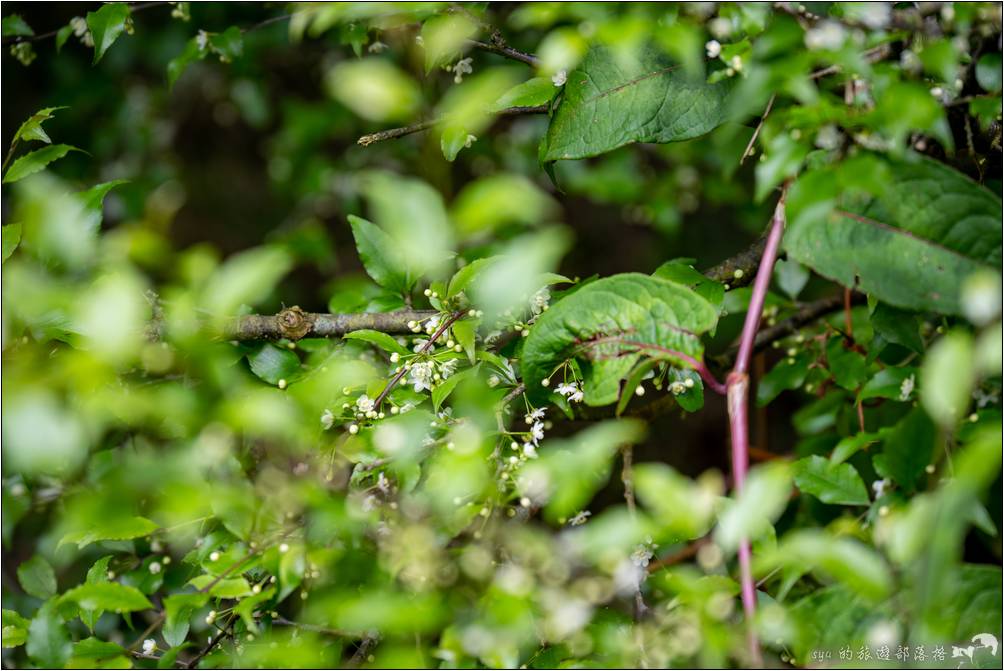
580 518
377 47
879 487
448 368
432 324
419 40
364 404
530 450
828 35
327 419
576 397
534 415
201 40
677 388
643 553
713 48
149 645
462 67
539 301
559 78
906 389
419 344
155 567
570 390
537 431
421 375
470 140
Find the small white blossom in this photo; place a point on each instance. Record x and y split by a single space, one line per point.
539 301
377 47
462 67
421 375
149 645
155 568
580 518
202 40
537 431
713 48
576 397
327 419
906 388
828 35
879 487
643 553
530 450
364 404
448 368
534 415
677 388
432 324
559 78
419 40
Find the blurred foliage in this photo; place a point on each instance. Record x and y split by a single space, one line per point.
408 498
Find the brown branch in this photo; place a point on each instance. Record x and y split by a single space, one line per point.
443 328
739 270
759 127
394 133
294 324
497 45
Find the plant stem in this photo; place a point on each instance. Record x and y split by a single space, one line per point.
443 328
738 395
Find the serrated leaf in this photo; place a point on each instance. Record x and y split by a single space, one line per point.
465 332
36 161
380 255
271 363
609 325
37 577
106 25
113 529
531 93
111 596
32 129
93 201
608 103
382 340
829 482
911 245
178 610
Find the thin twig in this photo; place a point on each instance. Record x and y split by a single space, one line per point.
395 133
224 632
502 49
759 126
443 328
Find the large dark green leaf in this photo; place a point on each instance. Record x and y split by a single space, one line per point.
609 103
911 242
37 577
609 325
908 449
830 482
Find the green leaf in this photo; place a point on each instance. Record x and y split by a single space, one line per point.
15 629
492 202
35 161
947 378
62 35
452 140
246 278
380 255
570 471
897 326
465 332
791 276
788 373
988 72
844 559
228 588
106 25
444 37
194 51
97 654
443 390
48 640
228 45
851 445
908 448
111 596
248 605
608 103
631 383
292 566
608 325
14 26
11 239
32 128
37 577
830 483
912 244
531 93
178 610
272 364
680 506
683 272
381 340
762 500
849 367
111 529
893 383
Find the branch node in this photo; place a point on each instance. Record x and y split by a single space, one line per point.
294 323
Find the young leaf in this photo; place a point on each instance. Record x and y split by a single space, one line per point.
444 36
380 255
62 35
830 483
607 105
788 373
178 609
106 25
111 596
195 50
465 332
292 566
679 505
609 325
761 501
452 140
531 93
228 45
271 363
97 654
15 629
48 642
912 245
228 588
31 163
11 239
446 387
32 128
112 529
14 26
37 577
381 340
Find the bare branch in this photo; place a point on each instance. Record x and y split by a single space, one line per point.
394 133
294 324
498 46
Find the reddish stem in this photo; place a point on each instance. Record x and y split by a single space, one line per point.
443 328
737 385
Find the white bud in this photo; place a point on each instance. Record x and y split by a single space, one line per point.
427 292
458 348
545 382
214 556
395 357
688 383
639 390
450 344
353 429
282 384
283 548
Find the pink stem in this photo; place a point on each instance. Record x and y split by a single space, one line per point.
737 384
